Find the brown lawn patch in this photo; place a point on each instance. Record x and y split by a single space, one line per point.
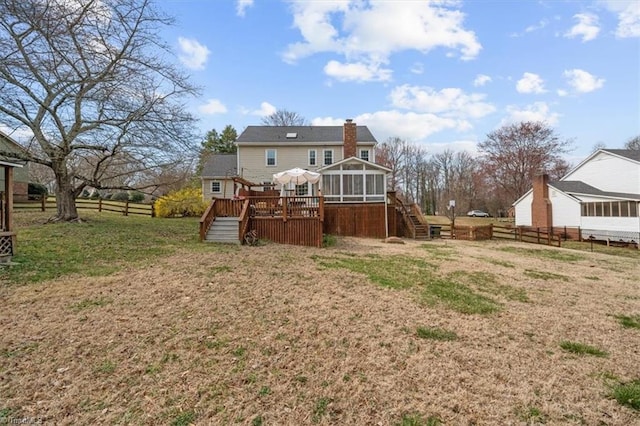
266 335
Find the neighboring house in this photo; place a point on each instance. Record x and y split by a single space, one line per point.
601 196
353 186
20 174
217 176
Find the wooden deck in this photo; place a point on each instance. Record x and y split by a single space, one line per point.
283 220
301 220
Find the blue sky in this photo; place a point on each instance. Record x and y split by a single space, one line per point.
441 73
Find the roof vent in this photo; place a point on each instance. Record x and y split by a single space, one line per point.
292 135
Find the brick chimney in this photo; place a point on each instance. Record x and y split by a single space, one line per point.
350 139
541 205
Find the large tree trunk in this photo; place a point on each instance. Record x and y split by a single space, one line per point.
65 195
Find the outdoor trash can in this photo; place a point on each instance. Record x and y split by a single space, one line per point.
434 231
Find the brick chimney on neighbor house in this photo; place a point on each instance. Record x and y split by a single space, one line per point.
350 139
541 205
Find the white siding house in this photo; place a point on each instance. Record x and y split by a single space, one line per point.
601 196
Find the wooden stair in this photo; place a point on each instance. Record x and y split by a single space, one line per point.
223 230
422 231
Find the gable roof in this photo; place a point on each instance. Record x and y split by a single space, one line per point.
628 154
354 160
631 154
12 146
576 187
303 134
220 165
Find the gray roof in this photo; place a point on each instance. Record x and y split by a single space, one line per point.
304 134
580 188
221 165
632 154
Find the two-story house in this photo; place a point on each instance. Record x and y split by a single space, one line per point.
266 150
353 186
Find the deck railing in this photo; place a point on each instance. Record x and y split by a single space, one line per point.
286 207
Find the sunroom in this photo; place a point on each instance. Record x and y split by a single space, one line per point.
354 180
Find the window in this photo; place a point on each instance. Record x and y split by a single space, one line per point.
610 209
216 187
328 157
364 154
312 157
271 157
302 190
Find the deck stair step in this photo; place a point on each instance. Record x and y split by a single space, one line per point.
224 230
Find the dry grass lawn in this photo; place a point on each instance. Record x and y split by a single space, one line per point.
283 335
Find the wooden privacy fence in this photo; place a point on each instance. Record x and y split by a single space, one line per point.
125 207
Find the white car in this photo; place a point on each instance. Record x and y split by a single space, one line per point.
477 213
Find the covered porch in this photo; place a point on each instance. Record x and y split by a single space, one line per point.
7 233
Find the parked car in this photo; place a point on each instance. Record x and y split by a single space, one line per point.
477 213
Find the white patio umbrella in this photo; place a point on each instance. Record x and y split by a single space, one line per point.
296 176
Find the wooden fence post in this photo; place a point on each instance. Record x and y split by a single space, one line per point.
43 201
100 205
126 208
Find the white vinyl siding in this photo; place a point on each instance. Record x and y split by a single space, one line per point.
609 173
226 188
523 210
565 210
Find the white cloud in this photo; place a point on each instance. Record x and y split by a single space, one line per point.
449 102
587 27
407 125
562 93
417 68
456 146
543 23
242 6
538 111
370 31
357 71
582 81
530 83
628 13
540 25
265 110
213 106
193 54
481 80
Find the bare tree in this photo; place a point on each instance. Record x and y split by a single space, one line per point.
391 154
282 117
514 154
633 143
93 82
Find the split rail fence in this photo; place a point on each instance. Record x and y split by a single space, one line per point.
124 207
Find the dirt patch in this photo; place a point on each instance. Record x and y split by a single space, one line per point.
265 334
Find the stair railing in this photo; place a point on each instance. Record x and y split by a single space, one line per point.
207 220
243 221
406 213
